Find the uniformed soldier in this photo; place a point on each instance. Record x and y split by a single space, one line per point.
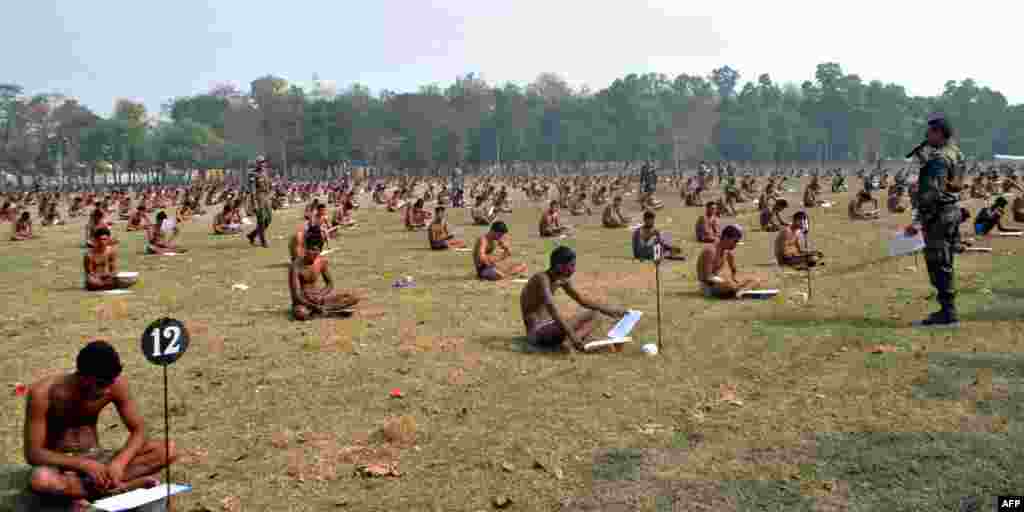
260 186
937 214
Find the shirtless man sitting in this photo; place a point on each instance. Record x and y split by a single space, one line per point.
62 436
857 210
490 265
713 258
545 325
438 235
613 217
100 264
23 228
771 216
483 215
160 238
579 206
224 223
789 251
707 226
308 299
550 222
416 217
646 237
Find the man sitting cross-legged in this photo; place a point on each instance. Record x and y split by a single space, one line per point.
551 223
771 217
789 251
712 260
857 208
490 264
646 237
545 325
100 264
62 436
613 217
438 234
309 299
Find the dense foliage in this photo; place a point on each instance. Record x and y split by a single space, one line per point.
837 116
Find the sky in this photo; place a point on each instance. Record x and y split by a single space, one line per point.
153 51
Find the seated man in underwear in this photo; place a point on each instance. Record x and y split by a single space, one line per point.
223 223
23 228
62 433
857 210
550 222
713 258
438 235
707 226
646 237
483 215
895 202
76 209
649 202
991 218
811 196
309 299
490 265
789 252
545 325
100 264
342 217
138 221
160 239
52 216
613 217
416 218
579 206
771 216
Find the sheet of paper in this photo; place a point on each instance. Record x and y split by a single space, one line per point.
116 292
521 281
903 245
168 224
625 326
757 293
1011 233
139 497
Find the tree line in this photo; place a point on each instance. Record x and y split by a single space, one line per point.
470 123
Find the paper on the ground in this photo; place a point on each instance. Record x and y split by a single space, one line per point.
521 281
903 244
127 274
757 293
116 292
240 286
625 326
169 254
979 249
604 343
139 497
463 249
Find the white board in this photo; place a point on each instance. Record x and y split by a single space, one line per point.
116 292
139 497
463 249
127 275
625 325
521 281
604 343
903 245
1011 233
757 294
979 249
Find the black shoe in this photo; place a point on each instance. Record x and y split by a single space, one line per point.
939 319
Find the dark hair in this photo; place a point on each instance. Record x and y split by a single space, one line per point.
562 255
782 204
710 204
101 232
649 215
439 209
1001 201
499 227
99 359
161 216
733 232
800 215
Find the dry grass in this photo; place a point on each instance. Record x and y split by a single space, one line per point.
277 415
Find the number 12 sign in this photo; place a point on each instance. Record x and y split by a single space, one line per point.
164 341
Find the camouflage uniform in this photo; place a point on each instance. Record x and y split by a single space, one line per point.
262 207
938 192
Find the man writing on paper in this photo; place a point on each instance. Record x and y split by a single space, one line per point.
712 260
938 216
789 252
545 325
62 437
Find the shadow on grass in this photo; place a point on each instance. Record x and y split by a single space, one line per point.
806 320
518 345
278 265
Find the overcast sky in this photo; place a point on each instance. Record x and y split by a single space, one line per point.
151 51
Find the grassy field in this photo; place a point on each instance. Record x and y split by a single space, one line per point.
756 405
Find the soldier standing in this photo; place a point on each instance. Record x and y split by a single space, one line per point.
938 215
260 186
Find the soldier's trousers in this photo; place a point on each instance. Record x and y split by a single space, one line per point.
942 235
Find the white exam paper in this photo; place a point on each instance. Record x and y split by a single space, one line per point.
625 326
139 497
903 245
